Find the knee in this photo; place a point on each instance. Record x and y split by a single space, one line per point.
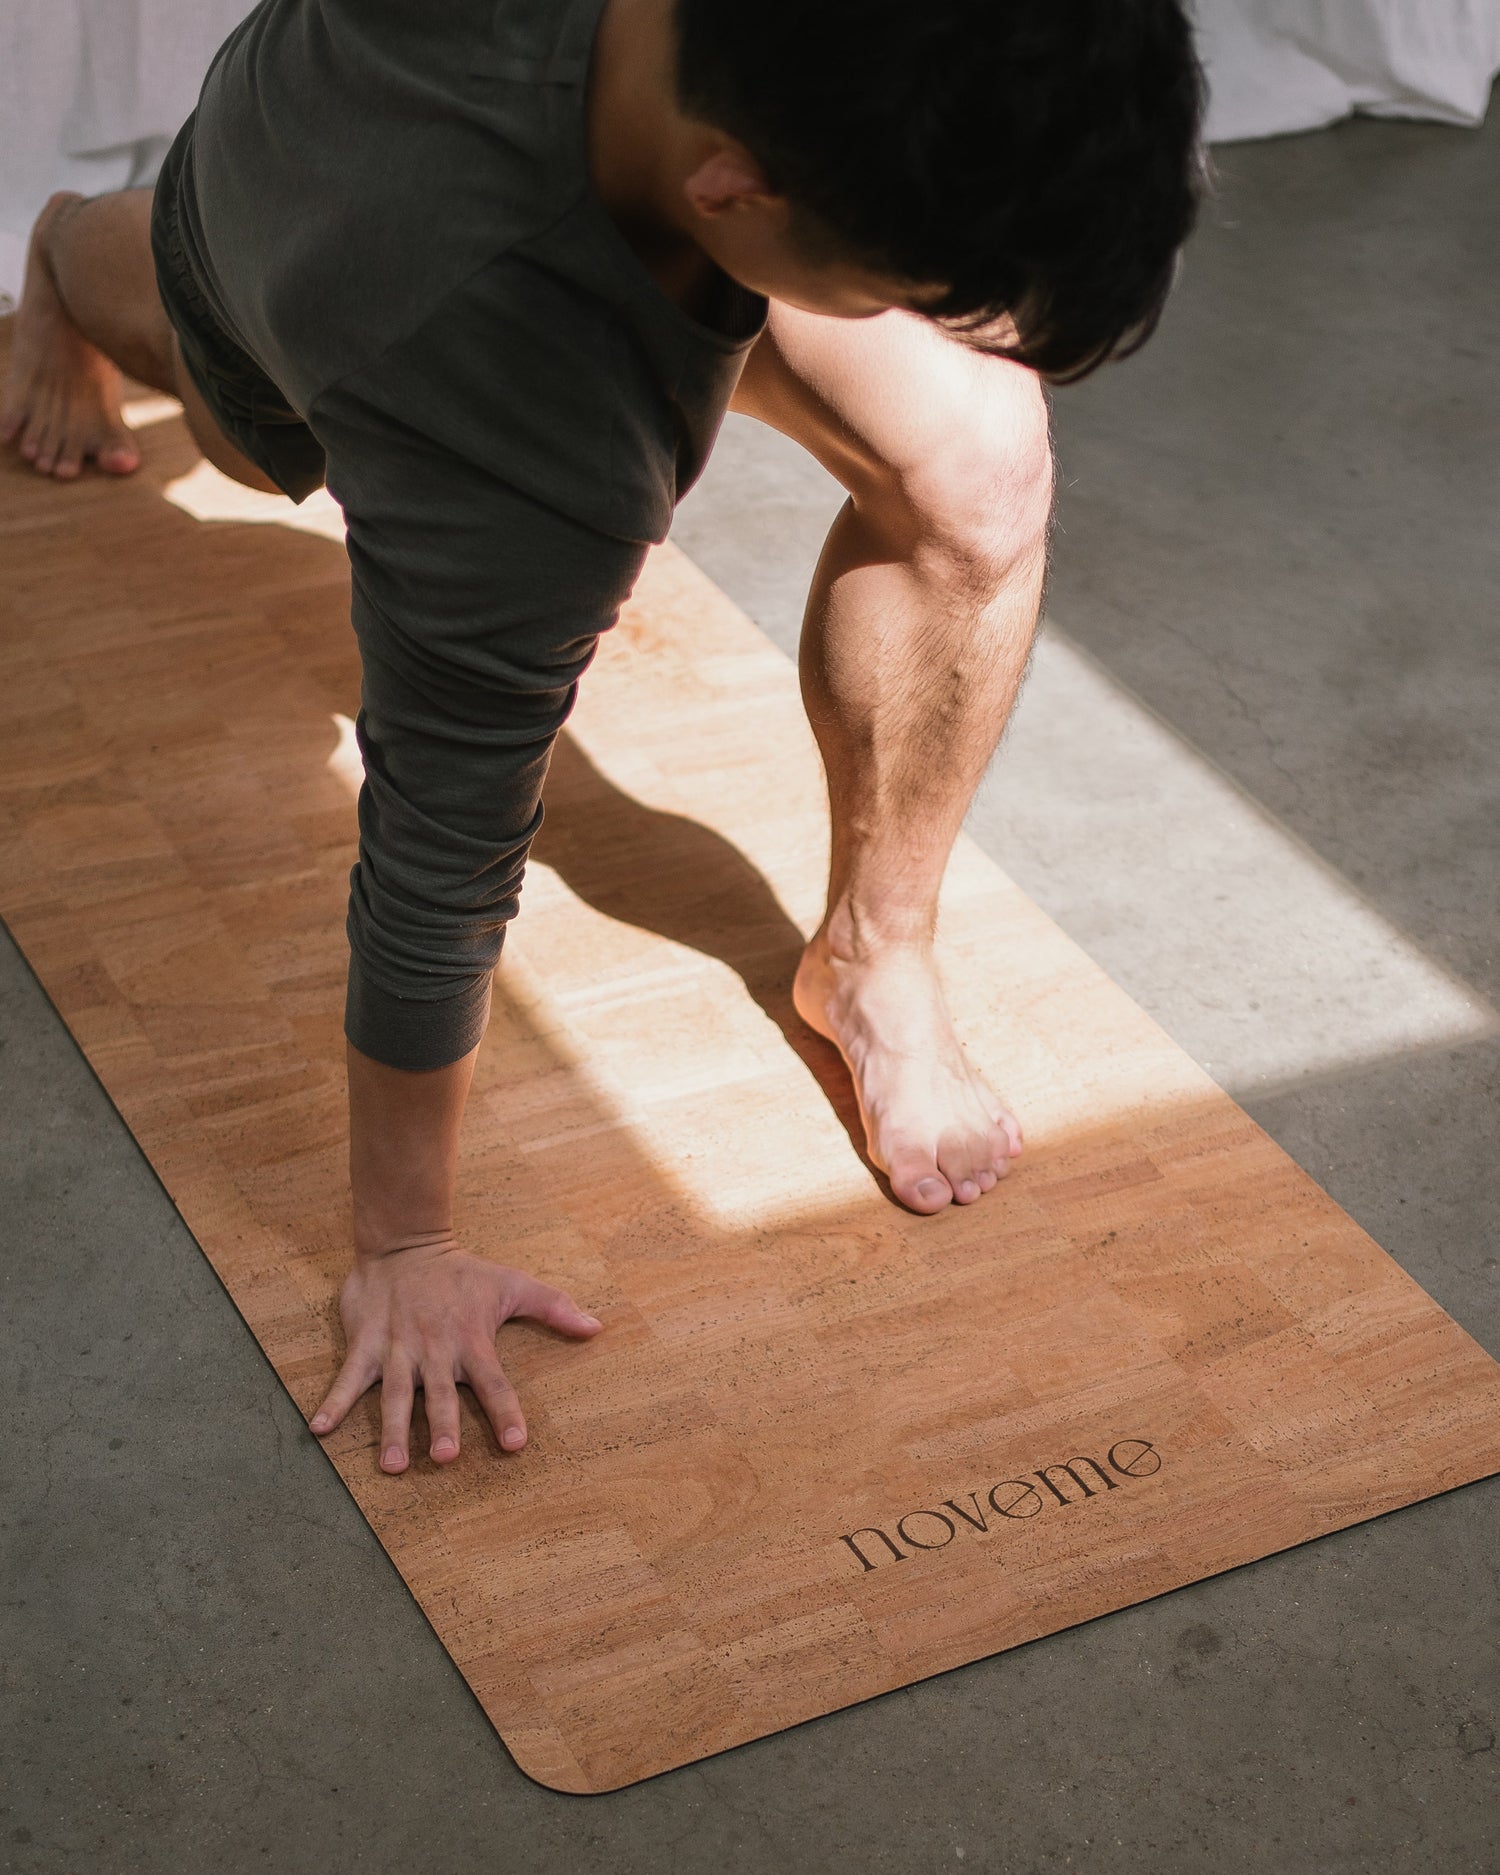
978 506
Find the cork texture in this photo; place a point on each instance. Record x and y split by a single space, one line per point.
823 1448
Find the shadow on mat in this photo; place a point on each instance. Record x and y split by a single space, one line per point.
670 874
662 872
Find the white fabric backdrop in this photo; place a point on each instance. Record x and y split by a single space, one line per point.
1280 65
92 91
91 94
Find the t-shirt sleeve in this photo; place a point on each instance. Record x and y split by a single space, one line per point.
477 609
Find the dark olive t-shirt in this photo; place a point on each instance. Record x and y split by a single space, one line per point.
387 204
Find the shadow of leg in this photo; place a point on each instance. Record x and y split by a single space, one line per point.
669 874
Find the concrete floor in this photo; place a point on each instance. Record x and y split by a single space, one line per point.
1256 773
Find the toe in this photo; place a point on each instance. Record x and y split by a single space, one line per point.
47 441
118 452
917 1182
32 434
69 441
956 1163
72 447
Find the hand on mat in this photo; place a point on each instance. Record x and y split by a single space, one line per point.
427 1317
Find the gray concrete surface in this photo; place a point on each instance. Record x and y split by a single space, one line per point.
1272 615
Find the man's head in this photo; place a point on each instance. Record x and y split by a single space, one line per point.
981 161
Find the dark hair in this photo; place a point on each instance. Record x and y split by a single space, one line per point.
1037 158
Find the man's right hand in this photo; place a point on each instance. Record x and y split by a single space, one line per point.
426 1315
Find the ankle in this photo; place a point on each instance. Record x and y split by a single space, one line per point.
854 935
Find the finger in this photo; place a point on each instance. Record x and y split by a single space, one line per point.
358 1374
440 1397
395 1415
540 1302
497 1396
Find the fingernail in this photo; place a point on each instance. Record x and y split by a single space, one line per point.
591 1321
512 1438
930 1188
392 1456
321 1421
444 1448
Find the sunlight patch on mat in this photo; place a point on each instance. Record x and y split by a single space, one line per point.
346 761
207 495
143 413
1273 967
645 1034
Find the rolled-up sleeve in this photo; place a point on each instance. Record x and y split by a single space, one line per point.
477 610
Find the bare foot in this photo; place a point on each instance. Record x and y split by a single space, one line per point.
931 1124
61 402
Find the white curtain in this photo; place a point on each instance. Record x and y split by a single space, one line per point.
1280 65
91 94
92 91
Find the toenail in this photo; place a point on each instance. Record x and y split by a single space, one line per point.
930 1189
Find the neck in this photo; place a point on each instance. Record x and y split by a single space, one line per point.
640 144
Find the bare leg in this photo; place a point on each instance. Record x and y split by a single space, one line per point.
919 625
90 313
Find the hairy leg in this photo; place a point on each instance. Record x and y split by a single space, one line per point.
919 624
90 314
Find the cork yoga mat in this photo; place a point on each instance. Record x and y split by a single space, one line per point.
823 1448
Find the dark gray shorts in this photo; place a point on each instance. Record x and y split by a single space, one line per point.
246 405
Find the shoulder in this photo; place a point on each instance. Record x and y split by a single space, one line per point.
356 161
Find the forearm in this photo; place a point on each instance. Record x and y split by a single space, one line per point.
403 1150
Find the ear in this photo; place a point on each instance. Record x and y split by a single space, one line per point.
727 178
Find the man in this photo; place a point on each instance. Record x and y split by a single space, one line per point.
496 271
